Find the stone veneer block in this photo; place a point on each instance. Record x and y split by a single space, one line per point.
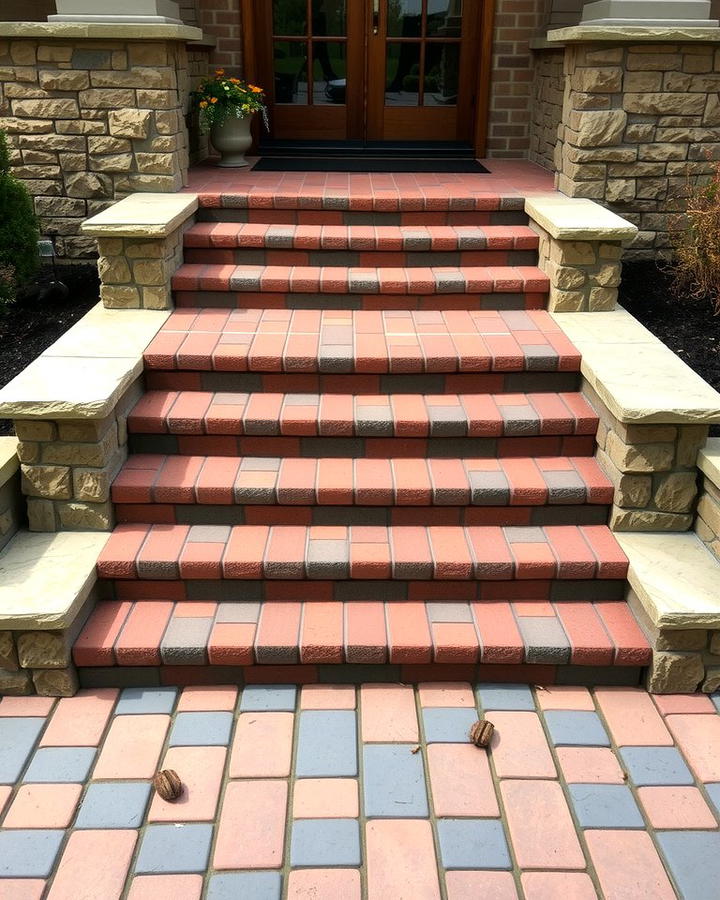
638 378
675 577
9 462
95 31
652 34
85 372
142 216
709 460
574 219
46 578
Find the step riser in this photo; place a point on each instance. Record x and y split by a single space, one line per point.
180 676
363 217
373 448
371 259
271 514
431 302
251 382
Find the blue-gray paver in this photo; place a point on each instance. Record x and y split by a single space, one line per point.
142 701
28 853
116 804
174 849
473 844
268 697
693 858
655 765
60 764
325 842
714 795
716 700
201 729
17 739
448 724
327 743
248 885
576 729
605 806
394 782
505 696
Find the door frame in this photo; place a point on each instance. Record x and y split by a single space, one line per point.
250 24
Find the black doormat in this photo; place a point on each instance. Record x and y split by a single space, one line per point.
365 164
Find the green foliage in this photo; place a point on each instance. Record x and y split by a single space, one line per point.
222 97
18 230
695 236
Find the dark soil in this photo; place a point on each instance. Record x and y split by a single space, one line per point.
688 327
38 317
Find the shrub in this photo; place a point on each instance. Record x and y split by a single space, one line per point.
695 237
18 230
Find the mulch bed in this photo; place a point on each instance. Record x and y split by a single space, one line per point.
31 324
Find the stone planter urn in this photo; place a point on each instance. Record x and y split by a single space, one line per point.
232 140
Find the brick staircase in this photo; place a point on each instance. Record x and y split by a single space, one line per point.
362 454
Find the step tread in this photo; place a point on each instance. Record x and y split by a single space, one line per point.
363 415
360 280
407 238
396 552
214 480
361 341
157 632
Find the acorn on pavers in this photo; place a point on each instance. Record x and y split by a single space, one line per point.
481 733
168 785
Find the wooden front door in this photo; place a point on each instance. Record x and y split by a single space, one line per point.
370 70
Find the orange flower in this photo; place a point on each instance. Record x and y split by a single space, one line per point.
213 99
234 81
219 71
203 104
255 90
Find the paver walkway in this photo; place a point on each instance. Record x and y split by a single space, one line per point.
330 792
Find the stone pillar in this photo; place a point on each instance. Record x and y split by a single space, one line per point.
684 13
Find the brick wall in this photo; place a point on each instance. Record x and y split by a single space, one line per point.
221 19
548 88
511 88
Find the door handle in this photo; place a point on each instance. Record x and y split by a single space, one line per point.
376 15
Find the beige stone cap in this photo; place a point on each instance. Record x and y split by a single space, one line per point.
709 460
9 462
575 219
46 578
635 33
640 380
676 578
84 373
96 31
142 216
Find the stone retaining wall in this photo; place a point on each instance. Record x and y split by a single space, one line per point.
653 470
707 523
90 121
637 121
68 466
39 662
547 106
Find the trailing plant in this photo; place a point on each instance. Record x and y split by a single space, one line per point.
18 230
695 237
220 98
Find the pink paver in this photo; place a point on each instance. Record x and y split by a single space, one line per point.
541 828
202 774
519 746
670 704
324 696
251 833
26 706
588 765
628 865
559 696
676 807
208 697
21 889
440 693
262 747
551 885
132 747
94 864
325 798
43 806
401 860
699 739
166 887
79 721
387 713
461 781
632 717
324 884
474 885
